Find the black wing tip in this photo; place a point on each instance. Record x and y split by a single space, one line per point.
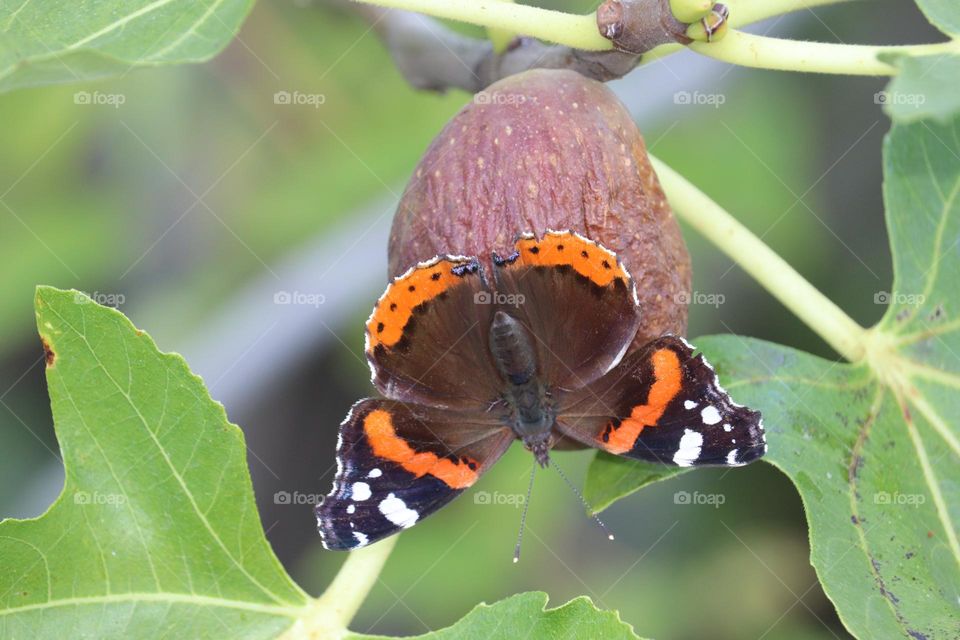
336 534
750 425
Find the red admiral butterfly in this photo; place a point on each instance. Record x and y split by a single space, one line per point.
468 366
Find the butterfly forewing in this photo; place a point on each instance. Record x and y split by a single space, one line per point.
427 337
397 464
554 285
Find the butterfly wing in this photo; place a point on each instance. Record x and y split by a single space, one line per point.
427 337
576 299
397 464
664 404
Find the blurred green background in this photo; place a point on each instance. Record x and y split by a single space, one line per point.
199 198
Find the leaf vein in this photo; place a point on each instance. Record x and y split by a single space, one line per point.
930 476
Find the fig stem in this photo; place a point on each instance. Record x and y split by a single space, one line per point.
329 615
804 300
500 38
689 11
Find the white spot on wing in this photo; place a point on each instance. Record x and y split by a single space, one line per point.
710 415
361 539
375 473
689 449
732 458
351 508
395 510
689 405
728 427
360 491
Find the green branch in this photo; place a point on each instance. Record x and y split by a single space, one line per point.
763 264
577 31
749 50
580 32
328 616
744 12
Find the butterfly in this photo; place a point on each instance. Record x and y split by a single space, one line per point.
468 362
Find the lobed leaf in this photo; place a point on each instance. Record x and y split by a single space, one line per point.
156 527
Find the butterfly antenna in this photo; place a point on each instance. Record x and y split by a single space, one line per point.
582 500
523 517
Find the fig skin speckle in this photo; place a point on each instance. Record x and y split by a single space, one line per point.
547 149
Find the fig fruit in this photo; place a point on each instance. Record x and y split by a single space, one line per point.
547 149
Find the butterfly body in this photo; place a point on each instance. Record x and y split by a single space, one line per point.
467 367
531 414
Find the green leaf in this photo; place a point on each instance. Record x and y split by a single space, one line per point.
525 616
156 527
874 447
610 478
925 87
943 14
48 41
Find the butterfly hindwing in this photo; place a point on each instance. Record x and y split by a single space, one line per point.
397 464
427 336
577 300
664 404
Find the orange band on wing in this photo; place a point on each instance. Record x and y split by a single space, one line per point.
666 386
383 439
564 248
424 282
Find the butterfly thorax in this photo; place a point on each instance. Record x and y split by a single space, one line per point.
531 414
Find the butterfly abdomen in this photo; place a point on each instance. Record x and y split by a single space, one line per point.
512 349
